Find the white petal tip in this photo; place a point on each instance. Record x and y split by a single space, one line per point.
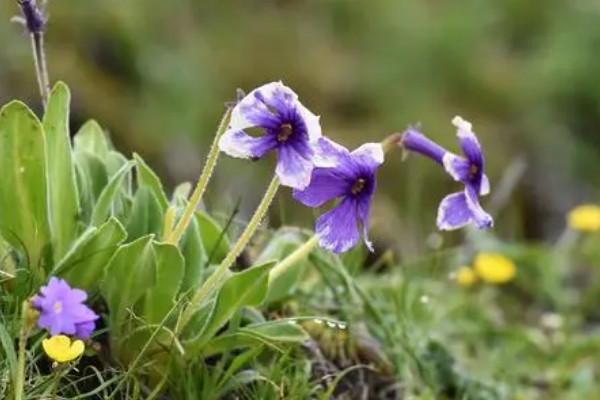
461 123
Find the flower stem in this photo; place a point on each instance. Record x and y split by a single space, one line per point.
26 324
41 69
298 254
196 196
210 284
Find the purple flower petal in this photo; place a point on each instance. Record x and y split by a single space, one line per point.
484 188
84 330
313 126
328 153
369 156
325 185
238 144
458 167
293 169
414 140
364 209
482 219
338 228
468 142
454 212
260 106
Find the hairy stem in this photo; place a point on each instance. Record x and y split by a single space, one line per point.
298 254
207 172
41 69
210 284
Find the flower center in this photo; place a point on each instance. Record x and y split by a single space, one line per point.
285 131
57 307
358 186
473 170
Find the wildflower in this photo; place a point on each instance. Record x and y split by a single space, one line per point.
494 268
457 209
34 18
353 182
62 310
466 277
585 218
287 127
61 349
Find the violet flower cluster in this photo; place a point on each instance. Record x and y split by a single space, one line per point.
272 119
62 310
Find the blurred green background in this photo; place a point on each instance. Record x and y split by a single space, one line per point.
156 74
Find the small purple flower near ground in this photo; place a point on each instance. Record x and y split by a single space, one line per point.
62 310
352 181
457 209
287 127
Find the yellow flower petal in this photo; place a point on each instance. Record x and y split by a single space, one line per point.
585 218
59 348
494 268
466 277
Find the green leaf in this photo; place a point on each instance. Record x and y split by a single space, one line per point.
83 266
147 177
64 202
129 274
194 255
23 199
246 288
213 238
281 331
91 179
102 209
169 274
92 139
146 215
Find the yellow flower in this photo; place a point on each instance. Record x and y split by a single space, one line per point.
60 348
585 218
466 277
494 268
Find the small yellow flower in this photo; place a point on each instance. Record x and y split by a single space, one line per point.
466 277
585 218
494 268
60 348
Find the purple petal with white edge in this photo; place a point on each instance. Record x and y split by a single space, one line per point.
238 144
313 125
458 167
364 210
293 169
338 228
484 189
325 184
329 153
468 141
482 219
253 109
454 212
369 155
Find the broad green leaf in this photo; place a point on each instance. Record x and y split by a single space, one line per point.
246 288
194 255
214 239
62 189
23 199
282 331
169 273
146 215
91 179
129 274
114 162
283 284
92 139
103 206
181 193
147 177
84 264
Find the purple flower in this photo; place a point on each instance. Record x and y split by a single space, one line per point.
62 310
457 209
352 181
34 18
287 127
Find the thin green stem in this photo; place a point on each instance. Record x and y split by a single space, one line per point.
298 254
41 68
23 335
209 285
207 172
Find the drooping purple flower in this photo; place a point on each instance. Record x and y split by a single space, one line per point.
352 181
34 17
457 209
62 310
287 127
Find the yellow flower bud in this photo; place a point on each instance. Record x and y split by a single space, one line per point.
494 268
60 349
585 218
466 277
